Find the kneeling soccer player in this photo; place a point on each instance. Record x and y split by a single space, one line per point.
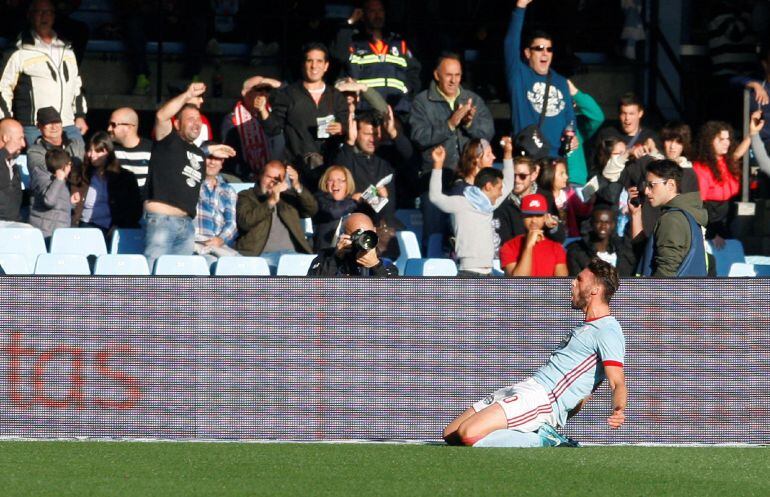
527 414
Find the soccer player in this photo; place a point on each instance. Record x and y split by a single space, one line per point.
527 414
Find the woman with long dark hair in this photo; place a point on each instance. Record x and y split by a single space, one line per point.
109 194
719 176
553 183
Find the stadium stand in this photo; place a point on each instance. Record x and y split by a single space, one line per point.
728 255
127 241
241 266
83 241
181 265
121 265
294 264
62 264
409 248
14 264
430 267
28 242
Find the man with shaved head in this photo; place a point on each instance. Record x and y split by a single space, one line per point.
132 151
355 253
11 144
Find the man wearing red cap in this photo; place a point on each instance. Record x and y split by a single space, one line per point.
533 254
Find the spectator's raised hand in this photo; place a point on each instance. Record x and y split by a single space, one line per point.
507 145
390 124
195 90
352 127
293 176
760 94
522 4
756 123
221 151
439 156
573 90
356 16
633 208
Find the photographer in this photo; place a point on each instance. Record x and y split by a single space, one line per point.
355 253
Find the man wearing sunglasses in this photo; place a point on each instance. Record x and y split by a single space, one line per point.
132 151
675 247
527 82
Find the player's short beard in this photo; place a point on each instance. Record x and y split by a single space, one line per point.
580 301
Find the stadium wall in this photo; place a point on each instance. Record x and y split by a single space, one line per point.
329 359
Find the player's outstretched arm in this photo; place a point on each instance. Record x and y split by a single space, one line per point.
617 379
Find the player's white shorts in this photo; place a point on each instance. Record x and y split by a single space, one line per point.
526 405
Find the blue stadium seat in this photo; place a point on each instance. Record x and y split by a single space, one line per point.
412 220
294 264
436 246
725 257
83 241
14 264
762 270
26 241
239 187
758 260
182 265
127 241
62 264
496 269
409 246
241 266
430 267
569 240
742 270
121 265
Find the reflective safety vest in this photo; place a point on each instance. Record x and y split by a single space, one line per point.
381 64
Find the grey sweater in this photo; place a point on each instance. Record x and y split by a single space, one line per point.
51 206
474 233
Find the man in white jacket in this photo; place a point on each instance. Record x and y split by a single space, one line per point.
472 211
43 72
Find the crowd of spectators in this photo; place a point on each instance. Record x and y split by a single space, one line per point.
349 153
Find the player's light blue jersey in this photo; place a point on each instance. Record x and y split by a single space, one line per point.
576 367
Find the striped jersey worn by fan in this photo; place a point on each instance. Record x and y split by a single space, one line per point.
576 367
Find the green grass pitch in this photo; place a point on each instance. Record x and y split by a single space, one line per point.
231 469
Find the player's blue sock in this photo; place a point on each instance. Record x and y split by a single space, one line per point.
511 438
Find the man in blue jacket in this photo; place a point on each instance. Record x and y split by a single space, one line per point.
527 82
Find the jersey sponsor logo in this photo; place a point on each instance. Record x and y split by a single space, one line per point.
511 400
556 101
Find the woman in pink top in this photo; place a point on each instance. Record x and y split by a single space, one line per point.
719 171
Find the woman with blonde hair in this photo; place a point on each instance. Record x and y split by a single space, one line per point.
335 200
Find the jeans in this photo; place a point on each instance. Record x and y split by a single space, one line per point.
167 235
272 258
32 133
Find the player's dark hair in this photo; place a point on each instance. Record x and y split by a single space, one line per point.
606 275
487 175
666 169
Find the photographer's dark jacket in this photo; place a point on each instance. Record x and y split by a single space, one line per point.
294 113
329 264
254 217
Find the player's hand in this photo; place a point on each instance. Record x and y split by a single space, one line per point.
617 418
439 156
368 259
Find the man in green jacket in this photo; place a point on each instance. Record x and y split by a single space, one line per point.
268 215
676 247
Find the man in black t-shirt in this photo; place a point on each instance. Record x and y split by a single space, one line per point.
175 175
